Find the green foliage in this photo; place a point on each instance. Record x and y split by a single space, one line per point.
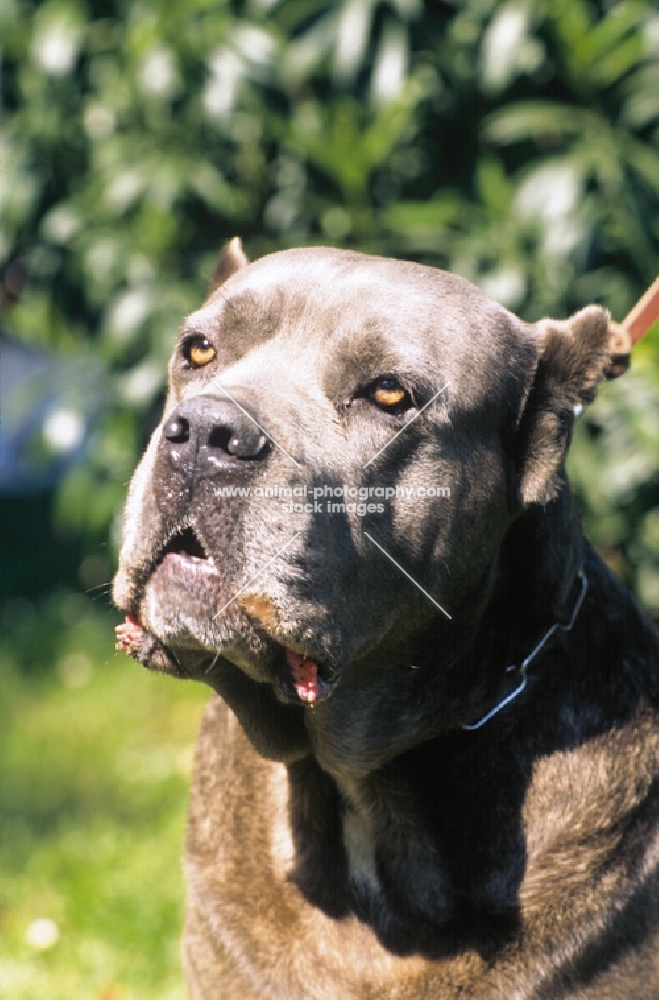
513 141
613 466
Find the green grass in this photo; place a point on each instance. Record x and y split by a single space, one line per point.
95 761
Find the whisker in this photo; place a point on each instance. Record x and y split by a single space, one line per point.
213 662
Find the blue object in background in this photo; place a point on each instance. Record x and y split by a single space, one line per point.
48 405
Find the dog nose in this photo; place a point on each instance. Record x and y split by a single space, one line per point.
211 434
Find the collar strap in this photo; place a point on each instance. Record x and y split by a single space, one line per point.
521 669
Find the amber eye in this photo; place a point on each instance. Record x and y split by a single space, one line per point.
390 395
198 351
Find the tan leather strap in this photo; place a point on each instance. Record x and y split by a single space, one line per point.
623 336
644 313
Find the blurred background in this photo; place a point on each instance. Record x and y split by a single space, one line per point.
515 142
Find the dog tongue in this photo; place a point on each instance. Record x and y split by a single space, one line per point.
305 677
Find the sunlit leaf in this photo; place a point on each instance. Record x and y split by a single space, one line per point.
536 120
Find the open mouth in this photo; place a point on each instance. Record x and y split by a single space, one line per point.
183 564
297 679
186 577
186 543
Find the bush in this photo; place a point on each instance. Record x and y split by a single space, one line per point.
513 142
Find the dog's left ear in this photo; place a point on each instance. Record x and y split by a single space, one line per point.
574 358
230 259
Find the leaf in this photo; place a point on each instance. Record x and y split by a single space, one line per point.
536 120
643 159
641 96
494 187
611 67
612 33
436 214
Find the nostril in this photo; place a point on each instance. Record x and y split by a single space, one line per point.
220 437
177 430
243 443
206 435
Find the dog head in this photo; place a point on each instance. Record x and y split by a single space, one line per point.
346 443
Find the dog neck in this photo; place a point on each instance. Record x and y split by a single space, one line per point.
446 815
517 673
532 597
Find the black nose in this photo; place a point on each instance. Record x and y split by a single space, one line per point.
211 435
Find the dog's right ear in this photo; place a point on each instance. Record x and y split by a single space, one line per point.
574 357
230 259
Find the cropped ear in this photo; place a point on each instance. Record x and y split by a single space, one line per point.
574 357
230 259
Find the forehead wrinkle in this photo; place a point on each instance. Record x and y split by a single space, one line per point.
313 290
238 321
359 352
271 364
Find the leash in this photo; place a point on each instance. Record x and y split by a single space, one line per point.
635 325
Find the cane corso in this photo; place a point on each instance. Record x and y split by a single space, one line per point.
432 768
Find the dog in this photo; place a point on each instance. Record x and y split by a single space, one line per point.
432 768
